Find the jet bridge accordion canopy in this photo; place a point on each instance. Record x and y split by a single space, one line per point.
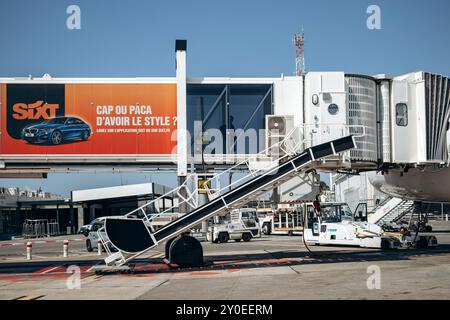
437 112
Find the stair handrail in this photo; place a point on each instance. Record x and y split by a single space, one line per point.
301 143
265 154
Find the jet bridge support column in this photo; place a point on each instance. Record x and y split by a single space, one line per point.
203 199
181 160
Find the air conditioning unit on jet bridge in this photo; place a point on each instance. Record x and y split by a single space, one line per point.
277 128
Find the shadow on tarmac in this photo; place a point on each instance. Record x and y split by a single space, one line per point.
237 262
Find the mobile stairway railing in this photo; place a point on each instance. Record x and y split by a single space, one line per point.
132 236
391 211
405 207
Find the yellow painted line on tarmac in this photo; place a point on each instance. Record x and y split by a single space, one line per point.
92 276
28 298
157 255
90 269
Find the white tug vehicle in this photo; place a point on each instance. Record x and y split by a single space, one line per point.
240 224
335 224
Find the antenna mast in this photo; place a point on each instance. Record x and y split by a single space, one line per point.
299 44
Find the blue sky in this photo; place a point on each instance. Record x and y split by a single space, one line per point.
225 38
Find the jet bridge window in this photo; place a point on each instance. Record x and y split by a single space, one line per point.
236 111
401 110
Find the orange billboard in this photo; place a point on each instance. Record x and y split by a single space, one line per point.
88 119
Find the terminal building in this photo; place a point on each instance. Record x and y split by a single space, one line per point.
17 205
67 215
118 200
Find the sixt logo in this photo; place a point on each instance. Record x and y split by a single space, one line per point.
29 104
34 111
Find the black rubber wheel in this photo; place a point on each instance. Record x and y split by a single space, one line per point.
85 136
246 237
266 229
89 246
422 243
223 237
167 248
385 244
56 137
186 251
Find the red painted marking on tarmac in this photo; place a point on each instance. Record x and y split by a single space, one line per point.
46 270
218 263
57 276
10 278
152 267
59 269
204 273
144 275
84 269
18 278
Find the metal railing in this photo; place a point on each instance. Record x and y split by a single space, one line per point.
39 228
294 142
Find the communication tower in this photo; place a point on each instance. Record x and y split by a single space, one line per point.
299 44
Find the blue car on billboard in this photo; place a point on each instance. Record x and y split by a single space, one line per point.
57 130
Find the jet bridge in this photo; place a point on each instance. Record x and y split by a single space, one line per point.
133 236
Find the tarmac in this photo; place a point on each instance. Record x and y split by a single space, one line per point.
272 267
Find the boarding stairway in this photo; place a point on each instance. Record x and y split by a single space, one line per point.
132 235
391 211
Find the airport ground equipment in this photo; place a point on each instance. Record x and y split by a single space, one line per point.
410 239
336 225
391 211
389 217
133 236
239 224
282 221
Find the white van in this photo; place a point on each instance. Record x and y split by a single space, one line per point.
92 235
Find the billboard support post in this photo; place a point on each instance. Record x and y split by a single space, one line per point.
72 217
80 218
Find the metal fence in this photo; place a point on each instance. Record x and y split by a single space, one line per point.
39 228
